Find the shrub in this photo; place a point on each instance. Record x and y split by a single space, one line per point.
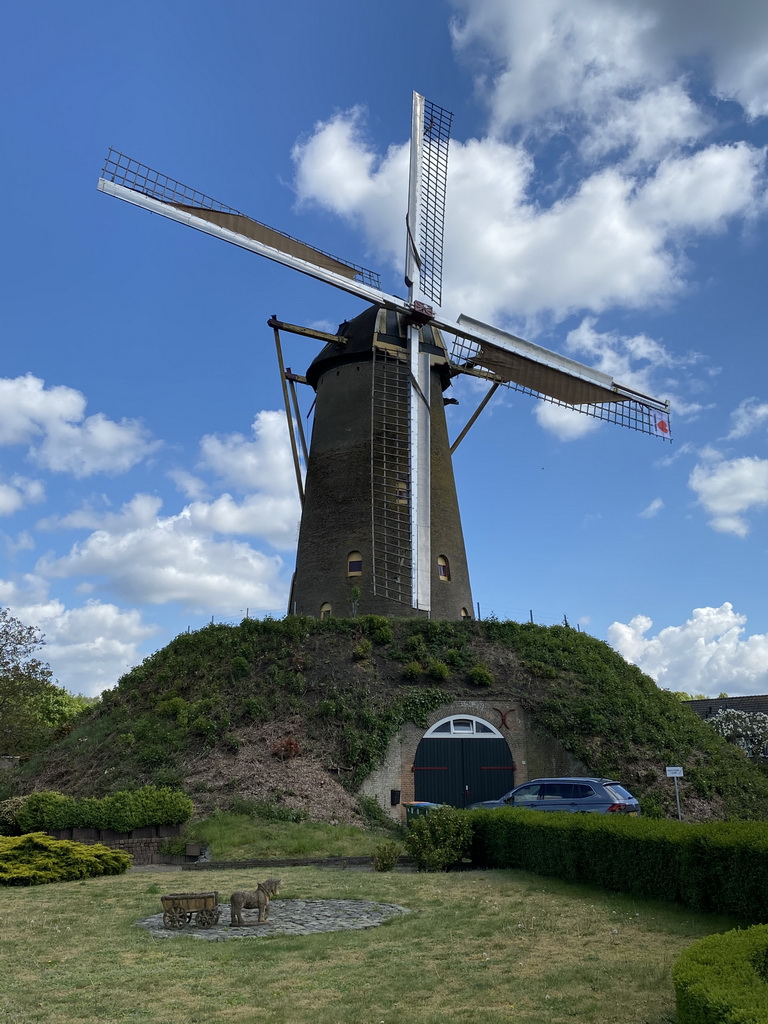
385 856
363 651
480 675
122 811
36 858
437 670
720 867
9 825
438 839
286 748
412 670
721 978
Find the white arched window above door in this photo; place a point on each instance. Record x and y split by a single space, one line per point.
462 727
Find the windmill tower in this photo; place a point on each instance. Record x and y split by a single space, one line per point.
380 530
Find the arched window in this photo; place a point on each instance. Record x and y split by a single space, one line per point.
354 564
443 569
465 613
326 610
463 726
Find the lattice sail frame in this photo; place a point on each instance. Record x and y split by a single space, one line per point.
123 170
436 134
631 409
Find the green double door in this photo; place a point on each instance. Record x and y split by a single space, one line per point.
462 770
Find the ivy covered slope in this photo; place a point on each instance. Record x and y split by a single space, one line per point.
338 690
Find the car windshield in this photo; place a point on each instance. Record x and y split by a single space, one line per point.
619 792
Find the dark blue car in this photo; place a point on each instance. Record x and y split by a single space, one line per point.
574 793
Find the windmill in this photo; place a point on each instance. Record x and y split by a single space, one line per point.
380 527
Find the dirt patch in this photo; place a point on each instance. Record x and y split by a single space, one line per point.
254 773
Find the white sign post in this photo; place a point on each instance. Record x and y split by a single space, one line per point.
676 773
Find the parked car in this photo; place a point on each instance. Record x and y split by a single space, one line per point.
575 794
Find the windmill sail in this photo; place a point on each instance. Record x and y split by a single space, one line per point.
485 351
136 183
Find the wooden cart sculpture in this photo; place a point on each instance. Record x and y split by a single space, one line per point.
178 908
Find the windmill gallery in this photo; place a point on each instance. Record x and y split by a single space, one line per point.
380 525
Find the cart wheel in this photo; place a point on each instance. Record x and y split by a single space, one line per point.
207 918
175 918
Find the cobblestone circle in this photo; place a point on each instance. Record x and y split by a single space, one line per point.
286 917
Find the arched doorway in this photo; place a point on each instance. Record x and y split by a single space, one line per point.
460 760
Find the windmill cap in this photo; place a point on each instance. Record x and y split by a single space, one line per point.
360 333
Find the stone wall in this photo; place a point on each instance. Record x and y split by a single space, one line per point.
142 843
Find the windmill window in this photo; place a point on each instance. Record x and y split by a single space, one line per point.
465 614
354 564
443 569
326 610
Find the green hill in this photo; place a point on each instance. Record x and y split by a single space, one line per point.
281 709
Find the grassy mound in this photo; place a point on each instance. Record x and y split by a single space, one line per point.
339 689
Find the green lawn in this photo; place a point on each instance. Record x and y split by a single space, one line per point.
480 947
243 837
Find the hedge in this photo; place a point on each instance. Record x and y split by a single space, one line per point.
123 811
722 979
38 858
718 866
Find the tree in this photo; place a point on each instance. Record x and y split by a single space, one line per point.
31 704
748 730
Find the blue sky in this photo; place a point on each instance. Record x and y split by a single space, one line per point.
607 199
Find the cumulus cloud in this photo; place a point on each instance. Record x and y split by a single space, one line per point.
565 424
261 463
88 647
728 489
612 240
749 416
17 492
554 57
709 653
60 437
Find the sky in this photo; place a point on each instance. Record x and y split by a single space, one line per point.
606 199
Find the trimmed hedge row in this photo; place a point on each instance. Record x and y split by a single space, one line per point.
720 866
124 811
37 858
722 979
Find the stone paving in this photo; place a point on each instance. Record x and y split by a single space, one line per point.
286 917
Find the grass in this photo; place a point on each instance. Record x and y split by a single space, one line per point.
479 948
243 837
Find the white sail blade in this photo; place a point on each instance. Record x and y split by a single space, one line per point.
486 351
139 185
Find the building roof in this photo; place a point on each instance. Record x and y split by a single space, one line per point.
708 707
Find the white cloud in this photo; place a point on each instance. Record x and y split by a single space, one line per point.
52 422
264 463
612 240
18 492
730 488
749 416
702 191
89 647
709 653
167 560
556 57
652 509
565 424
